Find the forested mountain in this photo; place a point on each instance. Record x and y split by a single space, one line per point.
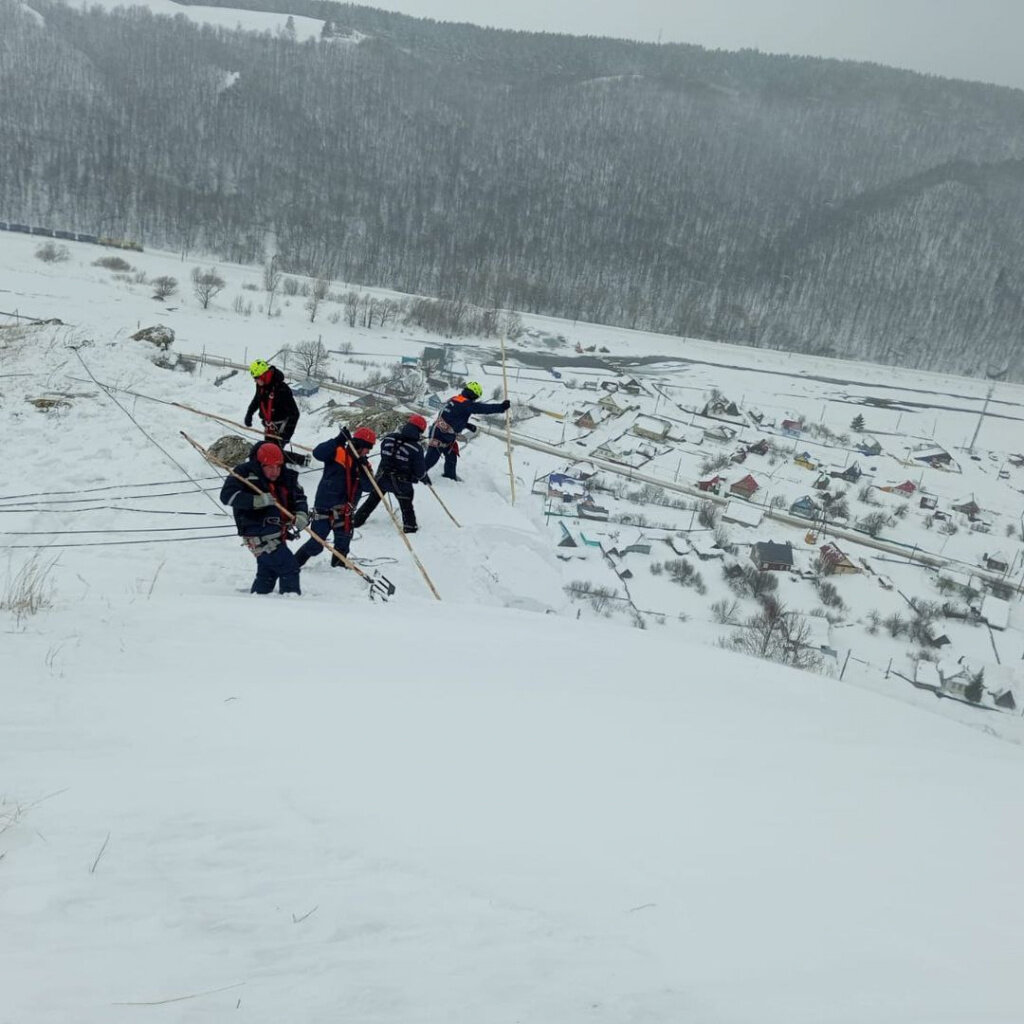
825 206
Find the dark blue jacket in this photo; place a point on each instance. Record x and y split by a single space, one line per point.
459 408
261 522
401 455
343 481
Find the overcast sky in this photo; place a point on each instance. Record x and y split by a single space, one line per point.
975 39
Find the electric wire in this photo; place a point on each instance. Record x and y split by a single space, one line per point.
145 433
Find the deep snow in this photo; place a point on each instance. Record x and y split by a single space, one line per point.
467 810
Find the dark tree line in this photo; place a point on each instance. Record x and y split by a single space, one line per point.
824 206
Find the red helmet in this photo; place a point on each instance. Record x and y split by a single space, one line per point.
366 435
268 454
418 422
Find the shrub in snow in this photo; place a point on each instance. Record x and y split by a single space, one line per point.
50 252
113 263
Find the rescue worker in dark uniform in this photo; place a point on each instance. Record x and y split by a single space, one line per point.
452 420
345 478
259 521
274 401
401 465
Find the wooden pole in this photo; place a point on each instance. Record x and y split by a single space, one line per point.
508 425
398 528
232 423
347 562
444 506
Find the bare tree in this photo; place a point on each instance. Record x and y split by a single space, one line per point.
164 287
321 286
206 284
311 356
271 282
776 635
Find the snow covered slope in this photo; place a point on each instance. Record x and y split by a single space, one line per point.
218 807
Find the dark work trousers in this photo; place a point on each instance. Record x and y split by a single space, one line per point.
340 523
276 565
401 488
442 443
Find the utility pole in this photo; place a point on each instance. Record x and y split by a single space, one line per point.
981 418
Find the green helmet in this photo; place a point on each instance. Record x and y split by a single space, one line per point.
471 385
258 367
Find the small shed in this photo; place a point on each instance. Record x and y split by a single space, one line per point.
869 446
759 447
711 484
996 562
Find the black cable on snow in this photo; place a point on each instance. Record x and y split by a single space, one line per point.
143 529
107 508
145 433
105 487
111 543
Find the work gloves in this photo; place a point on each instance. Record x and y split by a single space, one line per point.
470 427
262 500
506 405
301 521
248 421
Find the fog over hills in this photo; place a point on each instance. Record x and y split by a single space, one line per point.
829 207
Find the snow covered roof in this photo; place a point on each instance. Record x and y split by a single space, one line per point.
744 513
995 611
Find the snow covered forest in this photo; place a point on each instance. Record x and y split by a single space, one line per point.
832 208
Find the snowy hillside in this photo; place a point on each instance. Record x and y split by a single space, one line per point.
509 804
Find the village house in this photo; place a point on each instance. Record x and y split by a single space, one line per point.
806 460
932 455
616 406
745 488
805 507
720 432
742 513
711 484
851 474
792 428
548 402
721 406
996 562
758 448
588 419
651 428
835 562
968 506
929 501
869 446
769 556
905 489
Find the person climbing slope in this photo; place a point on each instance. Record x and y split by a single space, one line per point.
452 420
344 479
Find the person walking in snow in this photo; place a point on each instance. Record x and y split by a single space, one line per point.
345 477
401 465
259 520
452 420
274 401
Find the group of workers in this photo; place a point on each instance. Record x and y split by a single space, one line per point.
260 487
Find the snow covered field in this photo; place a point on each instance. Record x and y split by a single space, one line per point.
478 809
